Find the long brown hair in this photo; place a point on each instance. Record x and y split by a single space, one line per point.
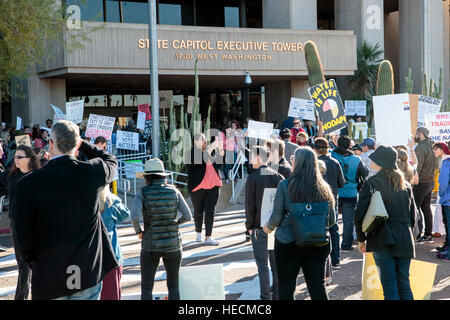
404 165
306 183
396 179
34 161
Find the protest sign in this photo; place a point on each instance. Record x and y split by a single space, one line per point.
141 120
58 117
301 109
276 133
261 130
392 119
23 140
360 127
266 212
164 98
19 123
427 105
74 111
145 108
358 107
328 102
147 129
56 109
190 105
134 167
202 282
439 126
100 126
421 278
127 140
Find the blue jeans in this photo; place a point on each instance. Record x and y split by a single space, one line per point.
262 258
348 206
92 293
334 235
394 276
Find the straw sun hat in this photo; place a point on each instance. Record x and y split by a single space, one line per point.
153 166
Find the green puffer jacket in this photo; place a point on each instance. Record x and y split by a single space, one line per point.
161 231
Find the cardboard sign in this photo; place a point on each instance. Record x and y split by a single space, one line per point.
100 126
301 109
421 278
147 129
261 130
439 126
74 111
146 109
127 140
19 123
164 98
328 102
427 105
23 140
360 127
202 282
141 120
190 105
392 119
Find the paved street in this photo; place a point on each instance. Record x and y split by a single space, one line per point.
240 272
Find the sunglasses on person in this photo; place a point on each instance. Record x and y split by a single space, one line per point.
295 123
20 157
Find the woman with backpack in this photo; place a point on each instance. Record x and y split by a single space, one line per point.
303 212
392 243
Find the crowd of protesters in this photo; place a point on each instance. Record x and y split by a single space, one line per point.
311 172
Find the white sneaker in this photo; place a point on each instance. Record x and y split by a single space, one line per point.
199 238
211 242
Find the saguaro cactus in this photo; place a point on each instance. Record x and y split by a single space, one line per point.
409 82
385 80
314 64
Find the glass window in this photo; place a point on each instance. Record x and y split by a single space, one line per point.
116 100
112 11
135 12
91 10
95 101
232 17
170 14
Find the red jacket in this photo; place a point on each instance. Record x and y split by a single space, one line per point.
295 132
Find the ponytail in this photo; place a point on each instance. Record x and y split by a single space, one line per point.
396 179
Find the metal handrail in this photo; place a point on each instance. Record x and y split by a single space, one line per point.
172 173
238 164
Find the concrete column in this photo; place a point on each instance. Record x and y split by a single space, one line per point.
391 45
278 97
290 14
32 103
364 17
422 44
243 14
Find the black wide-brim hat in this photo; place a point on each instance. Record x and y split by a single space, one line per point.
385 156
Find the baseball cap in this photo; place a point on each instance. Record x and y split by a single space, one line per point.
368 142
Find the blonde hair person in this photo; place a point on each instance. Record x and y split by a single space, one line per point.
113 212
410 174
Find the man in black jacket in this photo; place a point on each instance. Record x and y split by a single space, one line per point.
335 178
59 226
277 161
263 177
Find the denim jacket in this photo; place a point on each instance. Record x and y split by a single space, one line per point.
284 232
444 181
113 215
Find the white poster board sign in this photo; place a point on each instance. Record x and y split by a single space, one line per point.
100 126
266 212
202 282
276 133
360 127
190 106
358 107
301 109
58 117
141 120
439 126
127 140
392 119
19 123
74 111
56 109
427 105
261 130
